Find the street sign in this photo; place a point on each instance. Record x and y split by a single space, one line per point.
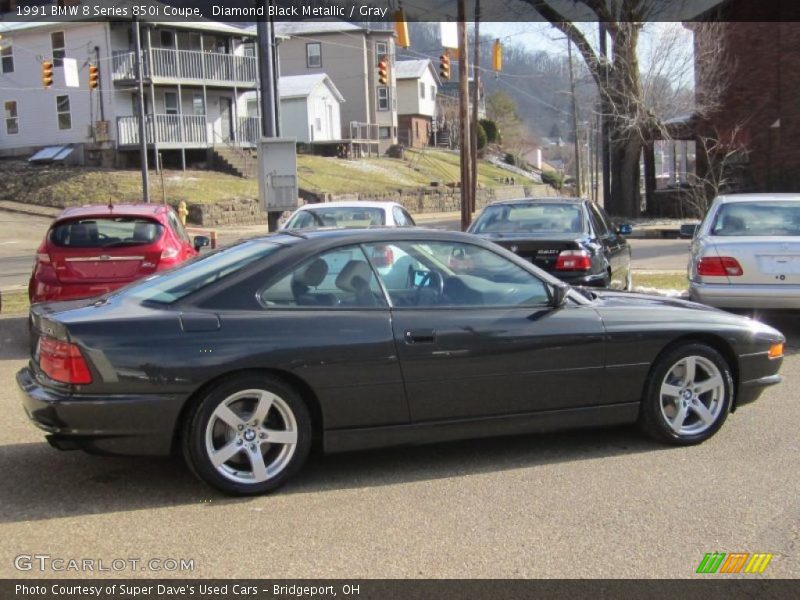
277 173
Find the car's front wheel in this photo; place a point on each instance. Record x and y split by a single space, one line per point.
688 395
248 435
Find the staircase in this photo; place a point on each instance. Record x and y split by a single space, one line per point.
242 162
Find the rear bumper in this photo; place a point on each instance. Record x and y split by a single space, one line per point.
129 425
723 295
581 279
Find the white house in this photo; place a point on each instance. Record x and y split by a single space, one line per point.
417 86
310 108
196 76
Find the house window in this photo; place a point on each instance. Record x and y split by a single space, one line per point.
383 98
384 132
63 112
167 38
7 56
314 55
12 118
381 50
198 106
318 124
58 48
433 92
171 103
422 90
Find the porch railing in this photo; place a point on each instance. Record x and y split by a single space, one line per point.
167 129
248 131
188 64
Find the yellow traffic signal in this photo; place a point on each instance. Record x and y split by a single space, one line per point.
94 77
383 71
1 41
444 66
497 56
401 29
47 73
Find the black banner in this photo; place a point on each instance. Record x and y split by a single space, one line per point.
383 11
388 589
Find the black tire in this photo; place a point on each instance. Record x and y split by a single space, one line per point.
228 477
653 418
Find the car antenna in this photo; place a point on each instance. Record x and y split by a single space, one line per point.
110 205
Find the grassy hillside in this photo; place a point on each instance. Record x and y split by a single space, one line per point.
64 186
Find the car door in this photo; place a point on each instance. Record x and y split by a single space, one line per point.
614 246
477 336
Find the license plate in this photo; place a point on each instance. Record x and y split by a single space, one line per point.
779 264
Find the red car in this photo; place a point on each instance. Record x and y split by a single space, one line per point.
92 250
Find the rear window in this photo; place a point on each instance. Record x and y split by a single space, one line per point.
337 217
757 219
530 218
106 232
173 285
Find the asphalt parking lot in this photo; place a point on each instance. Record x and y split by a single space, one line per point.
605 503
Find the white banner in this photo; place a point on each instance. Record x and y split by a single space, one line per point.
71 78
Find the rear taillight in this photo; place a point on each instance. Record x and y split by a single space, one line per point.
63 361
573 260
382 256
43 257
719 266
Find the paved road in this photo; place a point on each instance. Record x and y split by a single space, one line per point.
603 503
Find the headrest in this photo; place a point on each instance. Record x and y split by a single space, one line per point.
355 275
312 274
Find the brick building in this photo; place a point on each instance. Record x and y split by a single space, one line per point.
757 114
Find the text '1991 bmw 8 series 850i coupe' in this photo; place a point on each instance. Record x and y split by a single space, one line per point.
242 357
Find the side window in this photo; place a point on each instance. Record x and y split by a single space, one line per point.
453 274
604 216
339 279
402 218
178 227
601 229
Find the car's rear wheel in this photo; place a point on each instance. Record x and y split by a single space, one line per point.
248 435
688 395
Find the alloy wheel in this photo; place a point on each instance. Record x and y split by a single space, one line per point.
692 395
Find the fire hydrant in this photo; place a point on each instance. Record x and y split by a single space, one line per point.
182 211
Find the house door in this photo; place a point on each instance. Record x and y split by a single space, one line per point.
226 118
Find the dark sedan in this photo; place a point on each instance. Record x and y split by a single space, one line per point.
242 357
569 238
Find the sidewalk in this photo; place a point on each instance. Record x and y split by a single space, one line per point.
29 209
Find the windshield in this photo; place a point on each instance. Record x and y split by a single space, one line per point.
757 218
106 232
173 285
337 217
542 218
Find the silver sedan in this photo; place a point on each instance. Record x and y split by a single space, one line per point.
746 253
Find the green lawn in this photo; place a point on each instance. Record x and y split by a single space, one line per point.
14 302
660 280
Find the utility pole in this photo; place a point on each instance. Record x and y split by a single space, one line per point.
267 85
463 116
142 129
605 149
476 82
574 121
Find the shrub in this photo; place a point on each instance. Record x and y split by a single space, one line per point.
492 132
481 139
553 179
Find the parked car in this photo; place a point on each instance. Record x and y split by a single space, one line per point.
355 214
244 356
746 253
571 239
91 250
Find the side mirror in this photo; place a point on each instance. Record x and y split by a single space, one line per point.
201 241
560 293
625 229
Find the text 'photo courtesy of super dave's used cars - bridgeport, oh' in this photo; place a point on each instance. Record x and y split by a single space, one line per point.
244 358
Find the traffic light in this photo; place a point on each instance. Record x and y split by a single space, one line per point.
94 77
1 41
47 73
401 29
444 66
383 71
497 56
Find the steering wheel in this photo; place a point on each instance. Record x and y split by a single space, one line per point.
433 281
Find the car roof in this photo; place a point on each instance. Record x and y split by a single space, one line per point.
350 204
542 200
113 210
732 198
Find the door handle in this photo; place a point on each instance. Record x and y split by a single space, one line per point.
420 336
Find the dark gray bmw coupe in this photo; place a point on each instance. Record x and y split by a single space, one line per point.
366 338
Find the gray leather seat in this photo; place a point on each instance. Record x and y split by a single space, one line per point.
354 279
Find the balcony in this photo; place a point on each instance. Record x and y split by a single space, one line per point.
188 66
188 131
